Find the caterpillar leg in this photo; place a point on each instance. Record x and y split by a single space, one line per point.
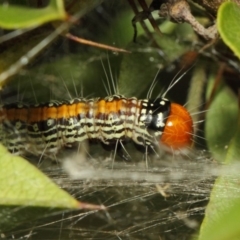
119 148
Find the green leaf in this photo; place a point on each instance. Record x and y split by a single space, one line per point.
221 121
228 25
21 183
222 215
130 82
172 49
14 16
70 76
26 193
139 68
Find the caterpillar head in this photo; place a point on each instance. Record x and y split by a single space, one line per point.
172 122
178 129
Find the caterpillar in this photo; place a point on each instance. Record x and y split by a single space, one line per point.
47 128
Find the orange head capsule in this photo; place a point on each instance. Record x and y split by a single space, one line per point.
178 129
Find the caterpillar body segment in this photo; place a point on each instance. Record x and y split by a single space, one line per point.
47 128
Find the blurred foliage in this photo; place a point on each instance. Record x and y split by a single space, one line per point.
228 25
224 104
224 142
63 69
16 16
224 200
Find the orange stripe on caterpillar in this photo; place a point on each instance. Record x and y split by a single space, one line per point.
49 127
